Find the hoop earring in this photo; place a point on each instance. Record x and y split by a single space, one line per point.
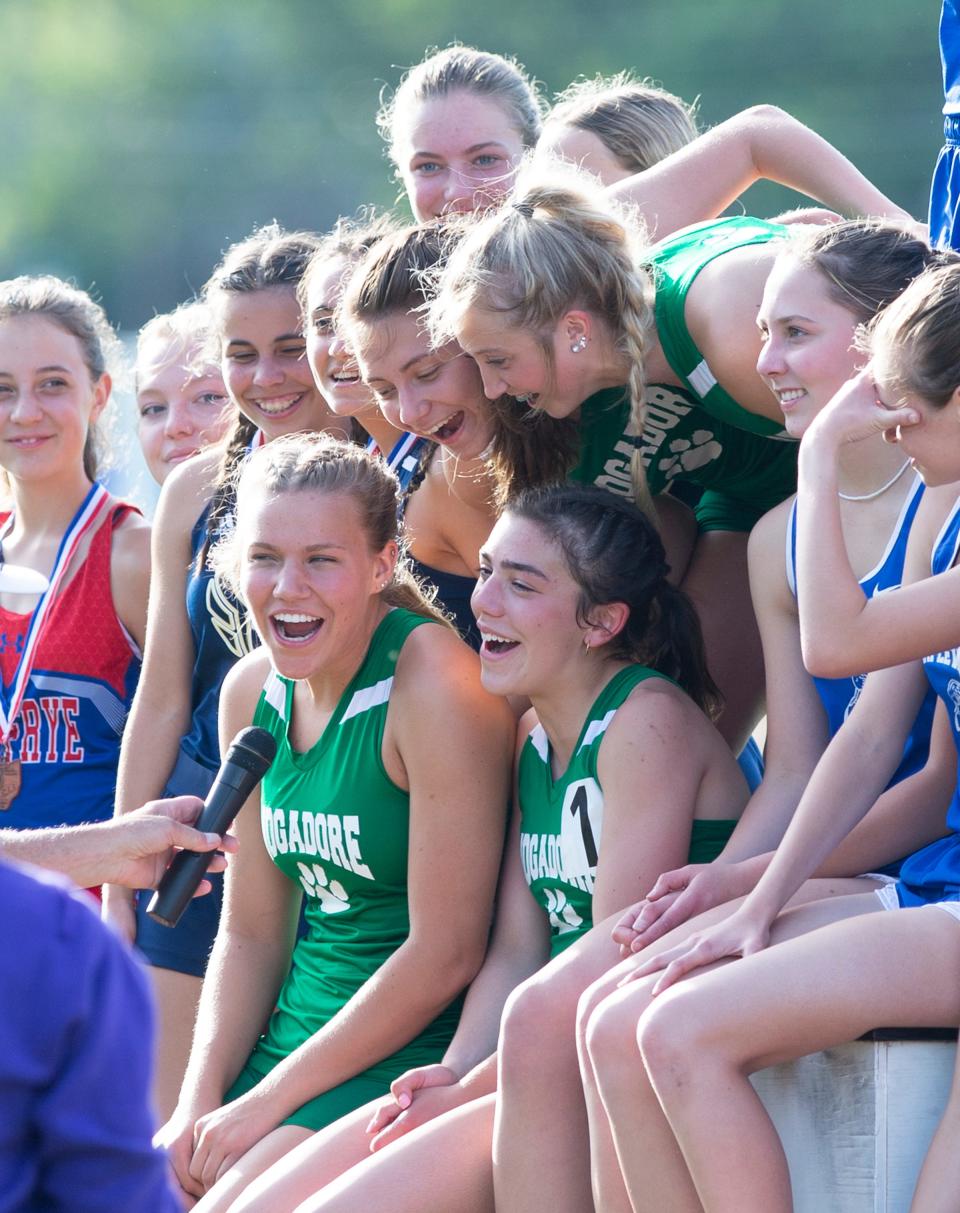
579 345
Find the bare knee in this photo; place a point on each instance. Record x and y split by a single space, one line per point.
672 1035
610 1032
539 1009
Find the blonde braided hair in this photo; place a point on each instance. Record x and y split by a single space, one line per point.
558 245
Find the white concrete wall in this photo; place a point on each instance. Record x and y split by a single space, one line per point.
856 1121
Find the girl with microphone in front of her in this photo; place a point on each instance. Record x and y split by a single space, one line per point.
384 807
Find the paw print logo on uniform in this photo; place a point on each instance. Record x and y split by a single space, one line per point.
690 454
563 917
331 894
953 694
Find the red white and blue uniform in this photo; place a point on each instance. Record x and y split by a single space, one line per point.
67 732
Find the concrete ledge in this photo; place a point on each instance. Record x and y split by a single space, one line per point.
856 1120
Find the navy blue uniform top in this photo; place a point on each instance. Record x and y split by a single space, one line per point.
222 633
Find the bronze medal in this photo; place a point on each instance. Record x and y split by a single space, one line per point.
10 777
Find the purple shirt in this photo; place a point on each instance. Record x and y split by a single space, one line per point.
76 1042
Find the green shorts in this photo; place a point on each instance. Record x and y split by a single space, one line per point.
317 1113
708 839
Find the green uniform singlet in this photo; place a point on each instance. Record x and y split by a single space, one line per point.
675 264
561 820
743 474
336 824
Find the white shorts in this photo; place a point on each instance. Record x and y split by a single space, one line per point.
890 901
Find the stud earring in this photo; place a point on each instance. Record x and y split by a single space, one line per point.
579 345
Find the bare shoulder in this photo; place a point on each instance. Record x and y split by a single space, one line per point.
767 553
130 549
187 490
244 682
769 536
435 659
656 712
440 675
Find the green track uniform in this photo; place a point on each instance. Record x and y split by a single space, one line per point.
336 824
696 434
675 264
561 820
742 474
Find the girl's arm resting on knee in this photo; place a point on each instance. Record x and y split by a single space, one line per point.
843 632
250 957
854 770
160 713
700 180
454 741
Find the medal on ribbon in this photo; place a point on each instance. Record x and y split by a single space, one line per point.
11 697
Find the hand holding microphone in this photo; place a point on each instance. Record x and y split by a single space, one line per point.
245 764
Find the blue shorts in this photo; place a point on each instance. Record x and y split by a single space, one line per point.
751 764
945 189
186 947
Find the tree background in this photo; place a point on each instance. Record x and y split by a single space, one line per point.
143 136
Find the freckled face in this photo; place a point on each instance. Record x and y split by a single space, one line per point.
456 153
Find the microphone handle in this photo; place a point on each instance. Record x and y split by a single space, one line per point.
180 881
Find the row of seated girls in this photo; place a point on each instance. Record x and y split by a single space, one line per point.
490 520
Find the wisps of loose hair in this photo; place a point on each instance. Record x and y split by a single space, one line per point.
558 245
459 68
317 462
639 122
614 554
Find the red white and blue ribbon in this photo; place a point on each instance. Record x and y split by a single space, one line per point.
83 522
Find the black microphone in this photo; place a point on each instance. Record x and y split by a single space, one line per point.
250 753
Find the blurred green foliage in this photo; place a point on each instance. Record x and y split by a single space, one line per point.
143 136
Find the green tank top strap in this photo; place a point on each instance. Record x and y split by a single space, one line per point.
675 264
561 820
337 825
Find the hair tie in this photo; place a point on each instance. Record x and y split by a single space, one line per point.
523 208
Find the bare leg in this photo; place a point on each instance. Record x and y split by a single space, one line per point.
677 525
440 1167
540 1135
939 1180
609 1190
717 581
175 996
310 1166
245 1170
701 1039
